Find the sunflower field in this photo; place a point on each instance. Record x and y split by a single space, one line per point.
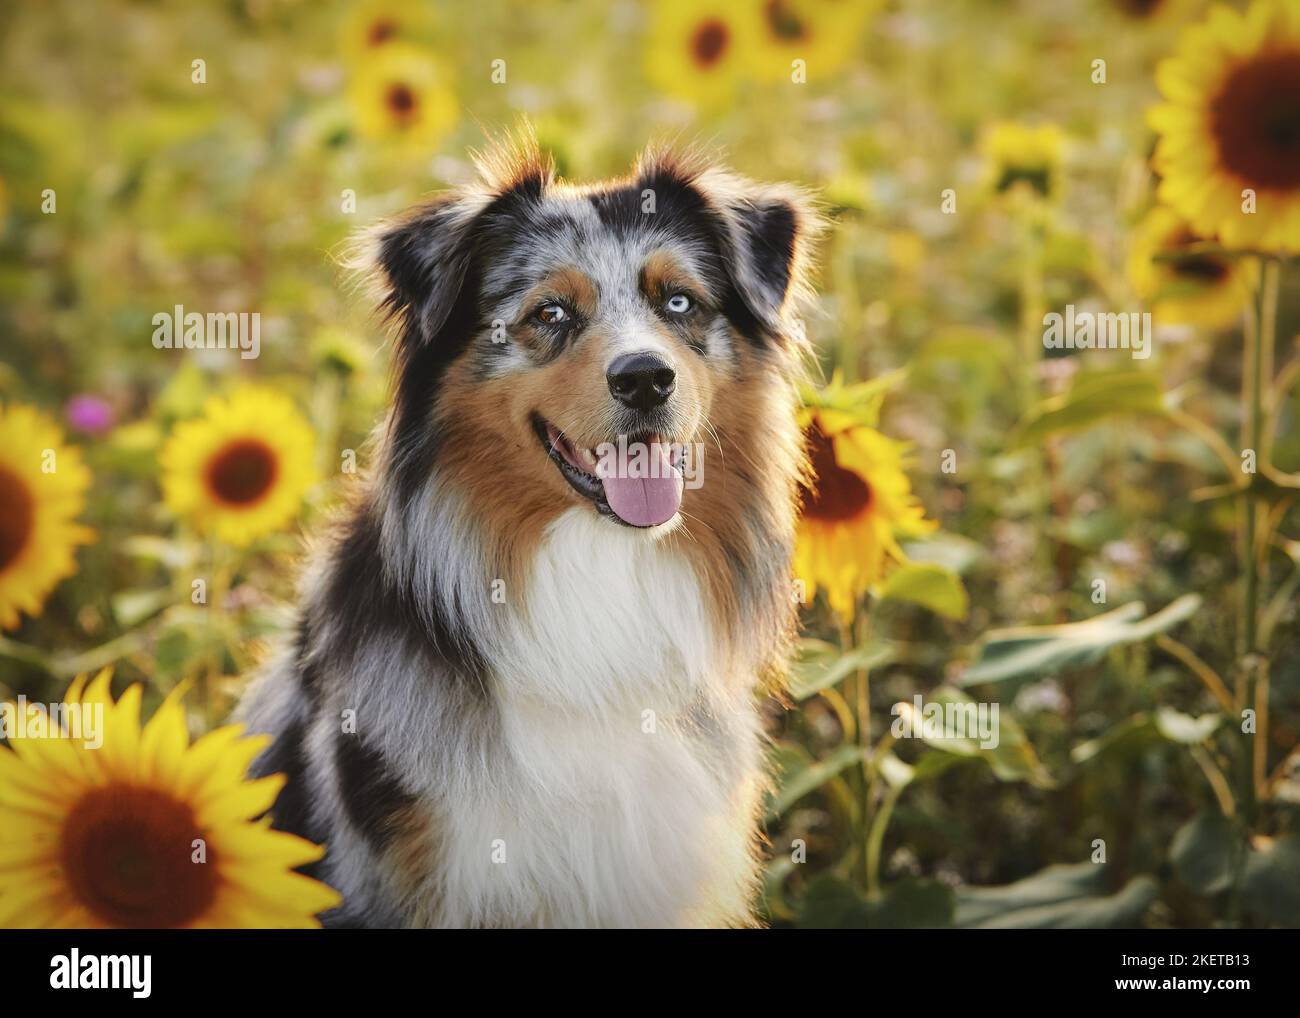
1049 559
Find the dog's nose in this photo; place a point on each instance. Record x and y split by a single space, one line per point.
642 381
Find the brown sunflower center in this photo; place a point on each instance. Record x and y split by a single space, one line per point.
129 852
785 24
709 42
400 100
1039 178
837 493
381 31
1198 268
1140 8
242 472
16 516
1255 121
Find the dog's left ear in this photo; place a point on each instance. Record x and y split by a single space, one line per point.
769 232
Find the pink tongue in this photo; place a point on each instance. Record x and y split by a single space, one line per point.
645 501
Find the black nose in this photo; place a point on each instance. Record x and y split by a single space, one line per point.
642 381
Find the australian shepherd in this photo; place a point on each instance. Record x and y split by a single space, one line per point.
523 688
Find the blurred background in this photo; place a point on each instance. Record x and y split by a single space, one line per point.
1053 541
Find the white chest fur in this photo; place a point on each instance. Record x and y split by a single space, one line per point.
623 788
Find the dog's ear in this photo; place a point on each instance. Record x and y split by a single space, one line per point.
418 261
768 234
421 259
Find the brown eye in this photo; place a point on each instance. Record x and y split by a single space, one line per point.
552 314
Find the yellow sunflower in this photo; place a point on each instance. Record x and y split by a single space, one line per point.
398 94
858 507
111 825
1193 288
1024 157
42 490
1231 125
241 470
700 51
374 23
822 33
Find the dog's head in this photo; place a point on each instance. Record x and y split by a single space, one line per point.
566 346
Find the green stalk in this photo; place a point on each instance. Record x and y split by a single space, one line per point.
876 838
1261 328
858 696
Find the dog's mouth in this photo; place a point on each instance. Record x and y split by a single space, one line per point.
636 480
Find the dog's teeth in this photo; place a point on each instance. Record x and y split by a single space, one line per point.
587 457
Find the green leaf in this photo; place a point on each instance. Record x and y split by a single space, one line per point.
1204 852
1092 398
831 902
930 585
1184 728
952 551
1141 730
1038 651
132 606
1129 736
1056 898
1003 746
800 775
1271 885
819 665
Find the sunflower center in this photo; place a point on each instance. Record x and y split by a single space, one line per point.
400 100
1140 8
242 472
16 516
1255 121
128 854
837 494
785 24
1200 268
709 43
1039 178
381 31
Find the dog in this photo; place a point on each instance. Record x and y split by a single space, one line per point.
523 689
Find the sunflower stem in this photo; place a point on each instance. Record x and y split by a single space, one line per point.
863 689
1260 329
216 627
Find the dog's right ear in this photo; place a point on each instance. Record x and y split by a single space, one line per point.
419 261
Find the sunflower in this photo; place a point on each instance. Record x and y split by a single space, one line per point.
1231 124
1190 288
858 506
240 471
822 33
398 95
698 51
374 23
1022 157
1152 11
42 489
139 828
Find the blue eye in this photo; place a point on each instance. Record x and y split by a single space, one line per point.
678 304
